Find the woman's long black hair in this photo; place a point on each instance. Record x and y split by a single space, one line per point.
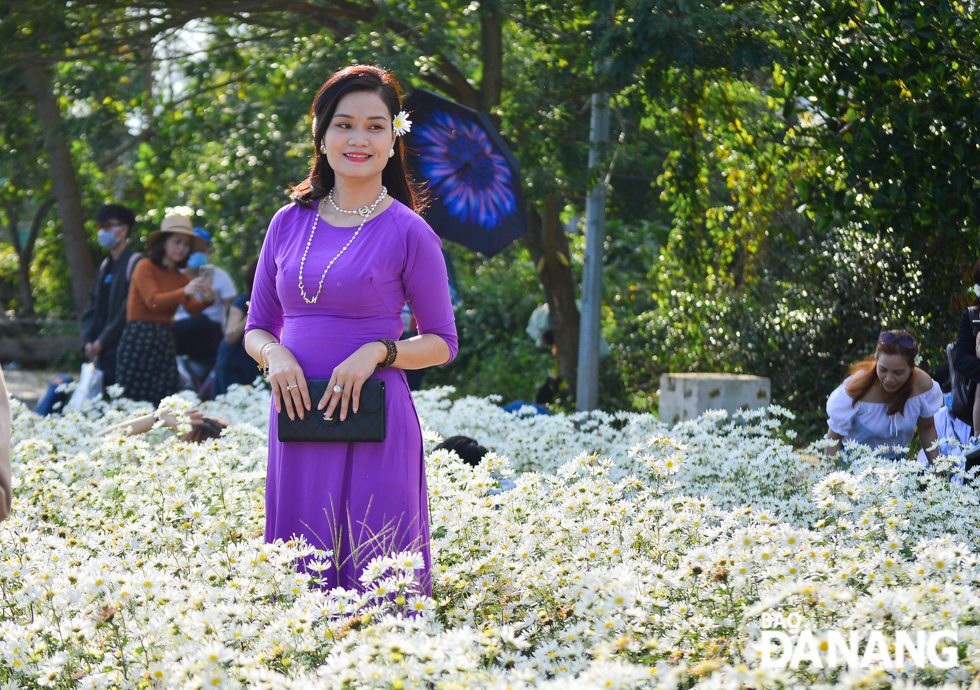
395 175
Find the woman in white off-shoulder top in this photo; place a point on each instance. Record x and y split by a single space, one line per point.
886 399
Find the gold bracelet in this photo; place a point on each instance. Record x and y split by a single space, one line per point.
263 362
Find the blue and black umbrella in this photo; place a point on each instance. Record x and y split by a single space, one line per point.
473 178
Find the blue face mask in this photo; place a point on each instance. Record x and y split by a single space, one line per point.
197 259
107 239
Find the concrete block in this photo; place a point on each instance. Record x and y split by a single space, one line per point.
687 396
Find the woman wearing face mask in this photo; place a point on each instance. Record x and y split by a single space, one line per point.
198 336
147 362
886 399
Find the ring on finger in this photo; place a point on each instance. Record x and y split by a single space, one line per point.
291 387
338 389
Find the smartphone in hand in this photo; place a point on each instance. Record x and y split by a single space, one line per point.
207 274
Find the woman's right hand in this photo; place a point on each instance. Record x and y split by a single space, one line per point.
831 451
288 382
194 287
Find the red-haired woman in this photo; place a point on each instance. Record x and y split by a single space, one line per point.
885 399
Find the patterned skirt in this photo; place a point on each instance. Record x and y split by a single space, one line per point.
146 361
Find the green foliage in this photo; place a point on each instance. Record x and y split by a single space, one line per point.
233 147
103 94
650 40
754 280
890 90
497 297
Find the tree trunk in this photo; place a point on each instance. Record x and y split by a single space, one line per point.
545 239
12 210
25 255
26 252
548 246
492 57
65 183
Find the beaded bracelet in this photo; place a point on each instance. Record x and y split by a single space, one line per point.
392 353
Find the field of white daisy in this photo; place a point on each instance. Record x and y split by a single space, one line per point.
626 556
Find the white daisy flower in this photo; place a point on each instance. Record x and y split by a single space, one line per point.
401 124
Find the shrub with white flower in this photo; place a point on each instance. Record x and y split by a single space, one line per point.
626 555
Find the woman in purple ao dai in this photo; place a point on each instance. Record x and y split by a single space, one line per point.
337 266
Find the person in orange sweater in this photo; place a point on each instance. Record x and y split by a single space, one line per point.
146 358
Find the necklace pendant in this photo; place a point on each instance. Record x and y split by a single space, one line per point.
364 210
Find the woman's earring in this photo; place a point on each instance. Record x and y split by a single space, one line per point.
323 149
391 154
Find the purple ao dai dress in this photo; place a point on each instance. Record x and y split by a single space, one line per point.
358 500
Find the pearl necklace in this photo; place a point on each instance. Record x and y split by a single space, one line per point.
364 211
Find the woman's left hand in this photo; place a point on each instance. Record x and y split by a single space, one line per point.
207 295
350 375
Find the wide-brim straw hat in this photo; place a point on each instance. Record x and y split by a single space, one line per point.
178 225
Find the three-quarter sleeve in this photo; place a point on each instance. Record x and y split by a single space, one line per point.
265 308
426 284
195 306
840 410
930 401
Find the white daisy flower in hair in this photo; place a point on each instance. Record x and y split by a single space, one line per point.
401 124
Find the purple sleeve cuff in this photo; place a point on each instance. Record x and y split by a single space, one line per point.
427 289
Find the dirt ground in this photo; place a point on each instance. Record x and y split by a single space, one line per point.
27 385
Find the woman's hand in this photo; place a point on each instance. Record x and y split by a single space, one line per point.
207 295
288 382
195 416
831 451
350 375
194 287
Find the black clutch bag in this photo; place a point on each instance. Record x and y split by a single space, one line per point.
368 425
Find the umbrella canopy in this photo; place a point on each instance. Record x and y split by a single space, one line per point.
473 178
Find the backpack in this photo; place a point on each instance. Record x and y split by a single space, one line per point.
133 260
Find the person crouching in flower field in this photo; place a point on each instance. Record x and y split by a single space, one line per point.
337 266
885 399
202 428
